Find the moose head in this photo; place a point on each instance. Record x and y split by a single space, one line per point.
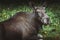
42 16
40 11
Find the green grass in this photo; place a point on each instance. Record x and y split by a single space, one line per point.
7 12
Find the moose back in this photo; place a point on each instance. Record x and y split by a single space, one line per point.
24 25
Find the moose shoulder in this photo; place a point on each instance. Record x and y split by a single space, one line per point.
24 25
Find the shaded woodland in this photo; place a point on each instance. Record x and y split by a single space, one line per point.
8 8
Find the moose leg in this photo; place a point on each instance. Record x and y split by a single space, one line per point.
40 37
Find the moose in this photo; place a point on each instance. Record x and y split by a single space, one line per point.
24 25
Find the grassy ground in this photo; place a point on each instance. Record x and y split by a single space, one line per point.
52 30
6 11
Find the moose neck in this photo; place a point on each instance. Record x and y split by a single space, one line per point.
38 23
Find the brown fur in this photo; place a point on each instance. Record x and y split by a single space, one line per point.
22 26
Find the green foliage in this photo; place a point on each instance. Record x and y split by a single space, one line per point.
53 29
7 12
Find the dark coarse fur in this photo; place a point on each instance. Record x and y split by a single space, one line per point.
22 26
